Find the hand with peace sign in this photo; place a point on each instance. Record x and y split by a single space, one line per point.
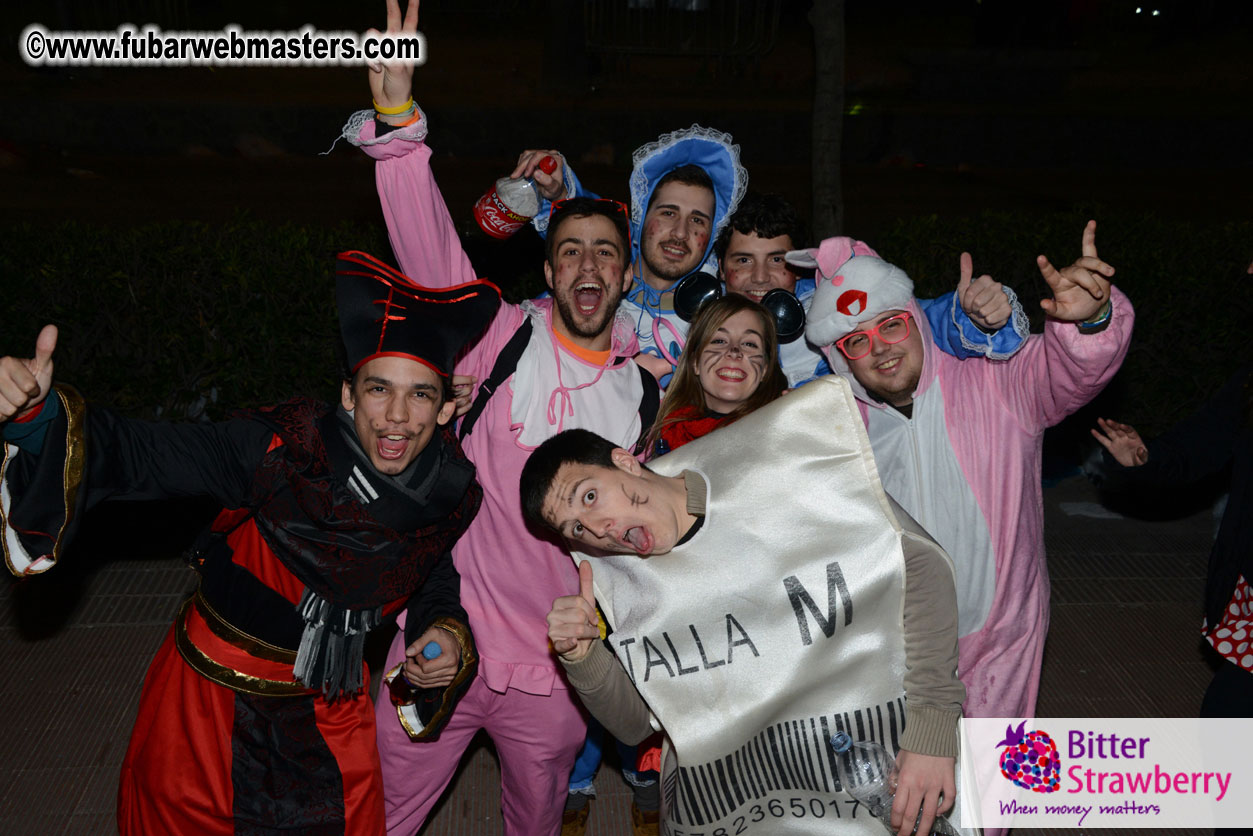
983 299
25 382
391 82
572 622
1080 291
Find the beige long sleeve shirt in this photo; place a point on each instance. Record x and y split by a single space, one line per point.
933 693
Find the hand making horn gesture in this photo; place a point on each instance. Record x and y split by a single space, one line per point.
1081 290
572 622
25 382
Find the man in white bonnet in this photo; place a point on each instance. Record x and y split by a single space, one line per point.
958 442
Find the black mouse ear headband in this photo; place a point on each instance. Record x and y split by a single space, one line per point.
695 289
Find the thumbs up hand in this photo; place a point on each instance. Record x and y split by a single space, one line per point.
25 382
983 299
572 622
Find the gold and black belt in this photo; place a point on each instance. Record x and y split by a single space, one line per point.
224 654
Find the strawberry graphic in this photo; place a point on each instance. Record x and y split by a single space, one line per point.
1030 760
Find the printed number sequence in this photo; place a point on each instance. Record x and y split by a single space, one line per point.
796 808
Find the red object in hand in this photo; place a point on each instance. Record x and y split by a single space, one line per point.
510 203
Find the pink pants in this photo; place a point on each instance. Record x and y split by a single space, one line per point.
536 737
1001 672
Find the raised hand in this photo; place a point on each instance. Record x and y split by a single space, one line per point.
25 382
572 622
1122 441
433 673
391 82
983 299
551 186
1081 290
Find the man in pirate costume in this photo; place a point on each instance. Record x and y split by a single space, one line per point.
253 716
761 622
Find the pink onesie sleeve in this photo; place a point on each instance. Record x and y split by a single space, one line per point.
418 223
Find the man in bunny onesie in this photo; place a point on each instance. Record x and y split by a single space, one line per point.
958 443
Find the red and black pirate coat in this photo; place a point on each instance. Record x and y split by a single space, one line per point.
253 716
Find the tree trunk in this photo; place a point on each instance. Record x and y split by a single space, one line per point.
827 18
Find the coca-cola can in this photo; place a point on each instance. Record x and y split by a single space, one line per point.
495 218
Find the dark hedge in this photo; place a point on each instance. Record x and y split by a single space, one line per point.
181 319
189 319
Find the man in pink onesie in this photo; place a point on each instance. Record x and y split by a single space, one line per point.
575 370
958 442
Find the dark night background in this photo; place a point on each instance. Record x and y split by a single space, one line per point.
953 106
179 223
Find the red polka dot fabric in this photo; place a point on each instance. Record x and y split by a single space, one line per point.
1233 639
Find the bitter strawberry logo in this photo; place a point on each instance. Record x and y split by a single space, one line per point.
1030 759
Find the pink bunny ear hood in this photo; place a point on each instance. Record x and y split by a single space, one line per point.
849 292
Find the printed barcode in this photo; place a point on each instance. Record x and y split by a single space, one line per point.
794 755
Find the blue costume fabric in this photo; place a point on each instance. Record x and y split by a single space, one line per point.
660 330
662 333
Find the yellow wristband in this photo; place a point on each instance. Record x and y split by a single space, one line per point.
393 111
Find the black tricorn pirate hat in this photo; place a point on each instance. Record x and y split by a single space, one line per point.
384 313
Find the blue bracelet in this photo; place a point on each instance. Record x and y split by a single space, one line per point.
1098 324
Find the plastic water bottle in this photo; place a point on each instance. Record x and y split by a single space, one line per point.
510 203
868 773
429 698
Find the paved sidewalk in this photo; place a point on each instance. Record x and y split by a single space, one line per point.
1123 642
